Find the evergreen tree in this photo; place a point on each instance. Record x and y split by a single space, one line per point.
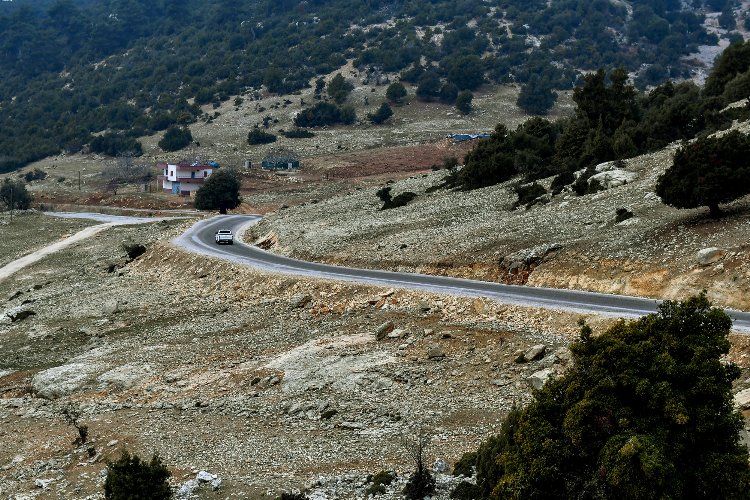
490 161
611 102
733 61
258 136
570 154
221 192
273 79
428 87
646 411
463 102
13 195
448 93
325 113
396 92
466 72
339 88
600 147
623 145
176 138
131 479
707 172
536 96
383 113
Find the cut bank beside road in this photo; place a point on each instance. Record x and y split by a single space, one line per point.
569 242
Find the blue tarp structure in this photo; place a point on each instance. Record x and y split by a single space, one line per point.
467 137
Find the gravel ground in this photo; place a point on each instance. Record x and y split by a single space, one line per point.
270 383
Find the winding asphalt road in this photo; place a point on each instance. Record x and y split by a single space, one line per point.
200 239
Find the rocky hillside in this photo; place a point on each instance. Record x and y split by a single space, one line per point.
563 241
267 382
247 383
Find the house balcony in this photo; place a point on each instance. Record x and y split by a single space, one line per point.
191 180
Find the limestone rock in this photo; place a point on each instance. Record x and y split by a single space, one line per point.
352 426
709 255
186 490
440 466
436 353
384 330
536 352
742 399
606 166
300 300
529 256
563 356
125 376
397 333
111 307
43 483
205 477
651 196
64 380
538 379
501 382
478 306
613 178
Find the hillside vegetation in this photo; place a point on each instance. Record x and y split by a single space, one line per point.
122 69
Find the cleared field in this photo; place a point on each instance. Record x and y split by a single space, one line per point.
30 231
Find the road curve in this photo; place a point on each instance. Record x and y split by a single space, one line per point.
200 239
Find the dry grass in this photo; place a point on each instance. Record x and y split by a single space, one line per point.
30 231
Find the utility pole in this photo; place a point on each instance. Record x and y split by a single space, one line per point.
11 202
79 180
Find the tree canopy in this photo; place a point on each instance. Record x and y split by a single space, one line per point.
707 172
383 113
129 478
176 138
221 192
396 92
612 121
646 411
528 150
258 136
536 96
339 89
325 113
13 195
463 101
133 67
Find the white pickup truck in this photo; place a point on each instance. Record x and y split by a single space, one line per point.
224 236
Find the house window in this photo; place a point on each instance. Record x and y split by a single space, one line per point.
205 173
192 174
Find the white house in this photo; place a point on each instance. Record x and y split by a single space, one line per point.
184 178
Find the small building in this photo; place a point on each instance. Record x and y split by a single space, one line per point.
184 178
281 159
280 164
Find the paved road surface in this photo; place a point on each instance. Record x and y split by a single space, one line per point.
200 239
